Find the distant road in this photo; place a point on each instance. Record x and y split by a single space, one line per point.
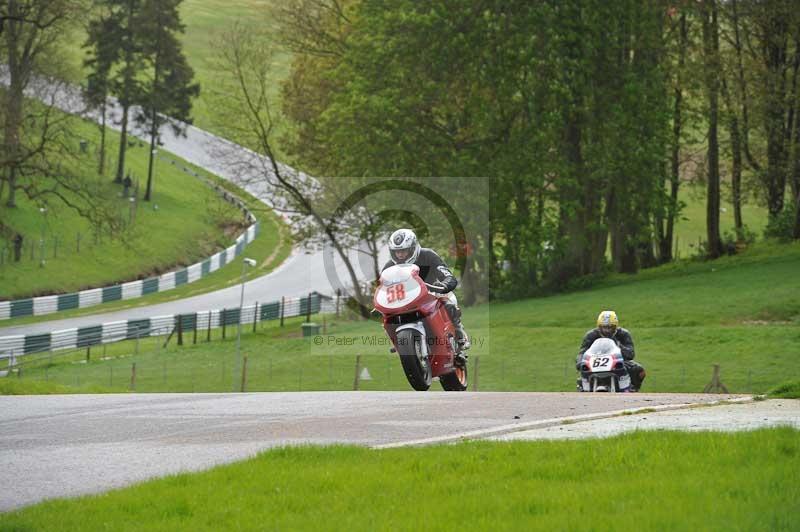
68 445
300 274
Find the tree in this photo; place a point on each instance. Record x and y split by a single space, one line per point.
710 23
101 55
31 30
246 60
168 95
676 66
115 44
543 97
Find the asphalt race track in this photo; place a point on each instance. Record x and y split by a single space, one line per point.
63 446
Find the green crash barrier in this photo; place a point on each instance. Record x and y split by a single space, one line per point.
181 277
112 293
37 342
68 301
90 336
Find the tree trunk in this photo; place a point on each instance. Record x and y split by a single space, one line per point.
13 103
101 167
796 231
711 60
775 59
736 176
153 137
123 141
736 160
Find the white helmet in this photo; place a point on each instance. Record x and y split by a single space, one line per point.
405 242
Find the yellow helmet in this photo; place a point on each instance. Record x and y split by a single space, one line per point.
607 322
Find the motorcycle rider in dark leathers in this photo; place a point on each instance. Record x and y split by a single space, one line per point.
608 327
404 248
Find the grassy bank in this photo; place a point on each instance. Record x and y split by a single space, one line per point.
270 248
185 222
650 481
740 312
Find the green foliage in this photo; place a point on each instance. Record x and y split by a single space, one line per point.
781 226
787 390
554 104
490 485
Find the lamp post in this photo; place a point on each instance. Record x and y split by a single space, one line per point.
245 263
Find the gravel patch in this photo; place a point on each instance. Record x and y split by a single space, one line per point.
723 417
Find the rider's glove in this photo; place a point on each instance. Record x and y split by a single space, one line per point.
440 287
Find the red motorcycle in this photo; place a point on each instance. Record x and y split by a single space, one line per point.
420 328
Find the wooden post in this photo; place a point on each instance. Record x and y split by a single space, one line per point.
180 329
133 376
255 317
715 386
308 309
475 373
208 334
244 374
194 336
224 321
357 379
283 301
338 295
88 353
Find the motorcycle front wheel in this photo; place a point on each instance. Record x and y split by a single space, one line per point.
416 366
455 381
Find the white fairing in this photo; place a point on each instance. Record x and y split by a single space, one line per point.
601 355
398 288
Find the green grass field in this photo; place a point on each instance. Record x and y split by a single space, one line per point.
640 481
191 222
741 312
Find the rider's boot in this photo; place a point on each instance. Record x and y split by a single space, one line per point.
462 338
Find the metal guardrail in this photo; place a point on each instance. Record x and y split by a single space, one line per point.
15 348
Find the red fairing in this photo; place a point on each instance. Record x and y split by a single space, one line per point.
402 292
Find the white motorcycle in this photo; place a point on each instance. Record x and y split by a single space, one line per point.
603 369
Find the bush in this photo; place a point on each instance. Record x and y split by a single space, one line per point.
781 226
787 390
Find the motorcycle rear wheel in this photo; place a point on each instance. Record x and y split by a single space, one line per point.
455 381
417 369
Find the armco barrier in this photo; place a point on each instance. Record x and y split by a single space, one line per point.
38 306
15 347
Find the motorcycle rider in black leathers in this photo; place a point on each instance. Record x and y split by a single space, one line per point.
608 327
404 248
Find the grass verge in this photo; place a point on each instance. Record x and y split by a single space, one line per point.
645 477
787 390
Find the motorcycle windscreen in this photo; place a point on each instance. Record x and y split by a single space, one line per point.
601 356
603 346
398 287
